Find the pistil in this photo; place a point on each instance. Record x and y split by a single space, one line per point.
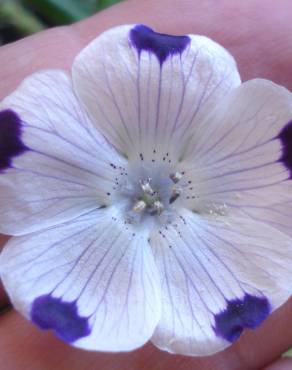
146 187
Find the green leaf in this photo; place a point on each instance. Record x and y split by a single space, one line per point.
58 12
15 14
102 4
288 353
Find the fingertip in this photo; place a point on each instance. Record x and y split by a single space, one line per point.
3 296
282 364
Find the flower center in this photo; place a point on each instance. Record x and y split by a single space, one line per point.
150 200
149 193
153 194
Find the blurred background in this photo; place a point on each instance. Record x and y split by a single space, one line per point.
19 18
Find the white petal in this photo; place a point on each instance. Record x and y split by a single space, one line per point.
148 91
220 276
54 165
242 157
92 280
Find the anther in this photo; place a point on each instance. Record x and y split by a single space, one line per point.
176 192
175 177
157 207
139 206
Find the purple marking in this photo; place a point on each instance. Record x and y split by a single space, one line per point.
144 38
52 313
10 138
286 138
239 314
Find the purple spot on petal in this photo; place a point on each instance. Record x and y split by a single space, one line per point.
286 139
52 313
239 314
144 38
10 138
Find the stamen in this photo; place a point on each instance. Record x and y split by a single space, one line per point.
139 206
175 177
158 207
176 192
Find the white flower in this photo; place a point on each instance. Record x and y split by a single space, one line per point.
155 204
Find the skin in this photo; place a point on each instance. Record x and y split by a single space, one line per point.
259 35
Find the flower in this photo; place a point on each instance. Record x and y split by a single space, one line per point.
149 195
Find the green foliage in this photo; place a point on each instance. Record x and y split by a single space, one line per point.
23 17
101 4
288 353
59 12
14 14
